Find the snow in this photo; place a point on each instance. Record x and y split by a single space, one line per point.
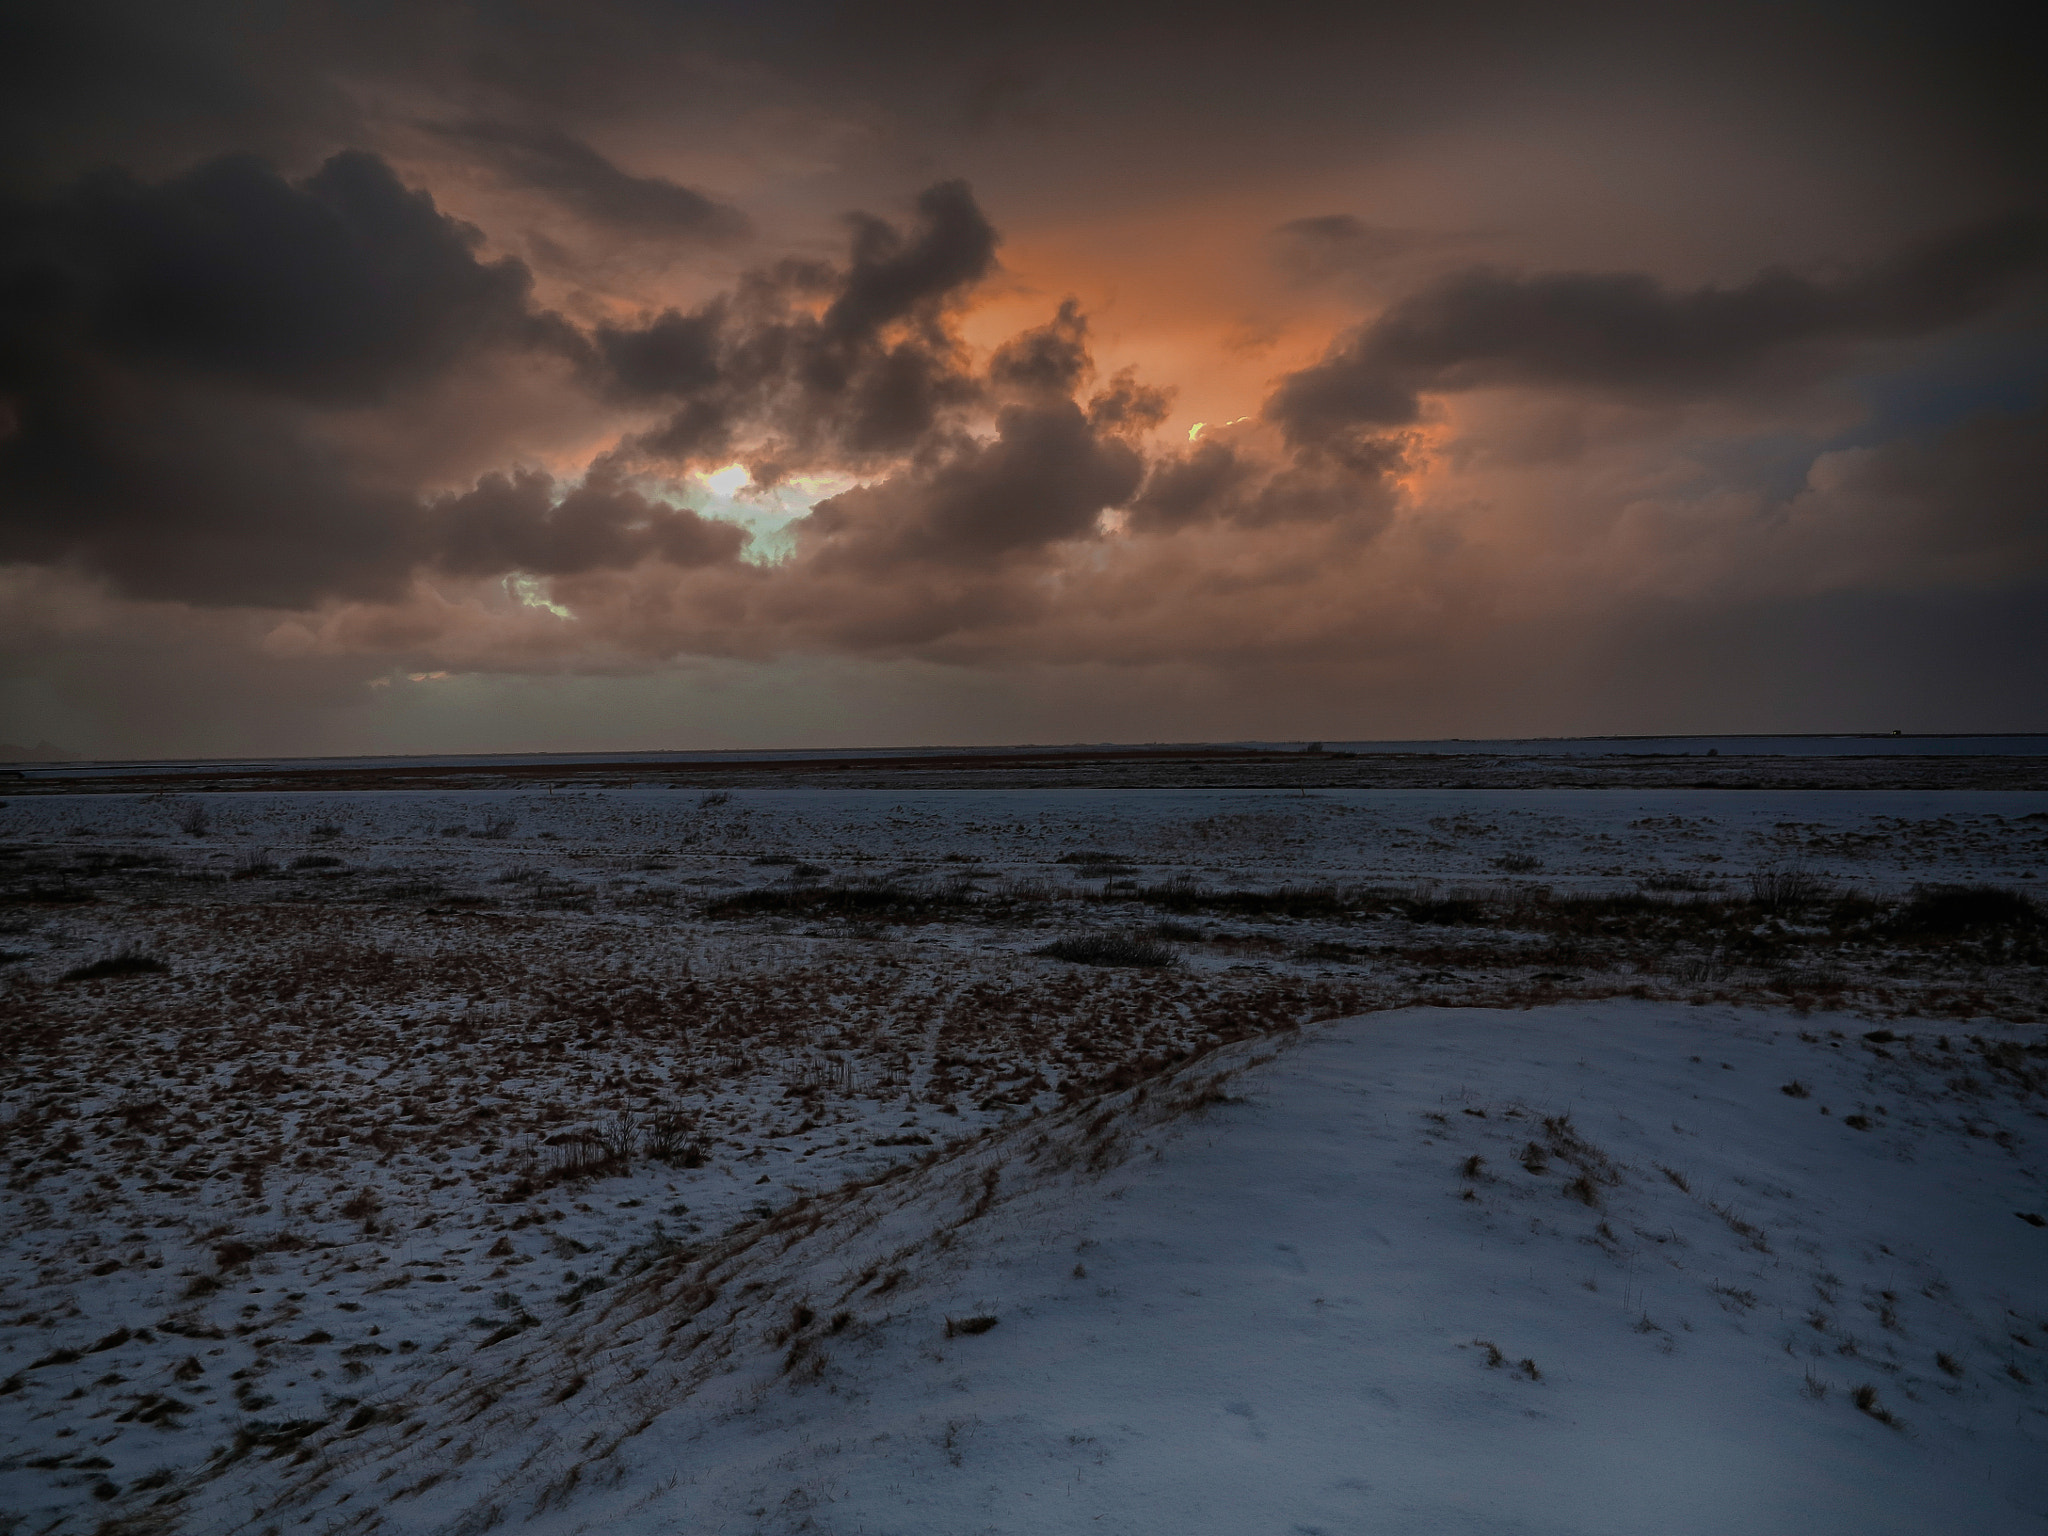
1282 1319
1884 839
360 1071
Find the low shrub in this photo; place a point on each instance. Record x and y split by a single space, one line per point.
52 895
880 900
1444 911
1776 889
411 890
1110 949
1281 901
129 962
1941 910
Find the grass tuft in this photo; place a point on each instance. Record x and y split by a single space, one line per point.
1957 909
1865 1399
129 962
1110 949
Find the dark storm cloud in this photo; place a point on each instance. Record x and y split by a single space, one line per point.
1626 331
1047 476
337 289
567 169
1053 357
180 360
894 277
527 522
872 374
1051 362
159 345
1127 406
672 354
188 495
1214 482
1189 487
173 357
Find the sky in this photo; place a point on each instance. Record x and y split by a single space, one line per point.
611 374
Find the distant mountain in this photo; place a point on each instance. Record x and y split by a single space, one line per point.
41 752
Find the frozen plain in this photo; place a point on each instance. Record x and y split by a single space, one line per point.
810 1055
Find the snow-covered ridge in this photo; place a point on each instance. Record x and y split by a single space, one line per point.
1585 1269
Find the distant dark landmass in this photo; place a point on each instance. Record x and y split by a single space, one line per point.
2012 762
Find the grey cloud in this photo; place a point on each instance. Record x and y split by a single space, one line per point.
701 432
1968 504
892 277
180 356
1047 476
338 288
673 354
174 357
526 522
1627 331
173 354
1214 482
227 502
871 376
185 495
1129 406
575 175
1053 358
1190 487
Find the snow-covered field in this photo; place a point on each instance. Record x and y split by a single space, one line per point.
418 1111
1367 1291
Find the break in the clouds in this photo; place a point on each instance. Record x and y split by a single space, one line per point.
1354 372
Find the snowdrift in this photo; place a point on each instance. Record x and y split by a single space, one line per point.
1611 1268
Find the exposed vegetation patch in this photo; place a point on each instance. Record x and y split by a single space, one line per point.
128 962
1111 949
877 900
1948 910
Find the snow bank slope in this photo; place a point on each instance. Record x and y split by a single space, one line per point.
1277 1329
1285 1315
